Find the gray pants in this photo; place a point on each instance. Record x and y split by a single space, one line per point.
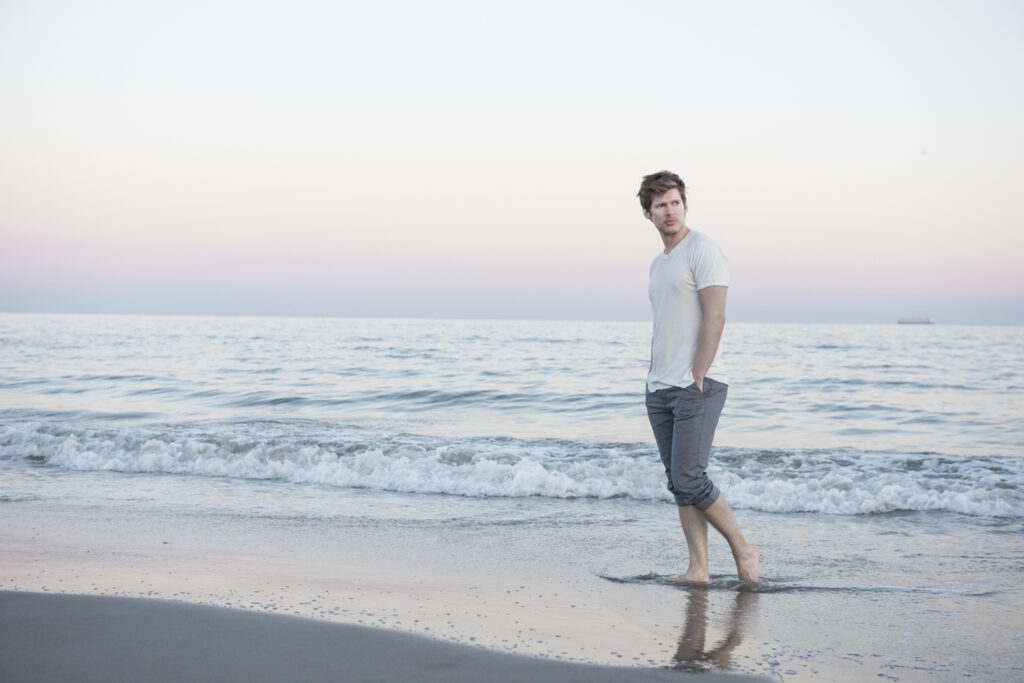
684 422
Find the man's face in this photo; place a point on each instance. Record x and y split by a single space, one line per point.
668 213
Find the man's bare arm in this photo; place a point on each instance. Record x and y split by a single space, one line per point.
712 307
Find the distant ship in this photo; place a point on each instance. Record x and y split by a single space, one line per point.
916 321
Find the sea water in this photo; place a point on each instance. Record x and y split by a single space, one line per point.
837 419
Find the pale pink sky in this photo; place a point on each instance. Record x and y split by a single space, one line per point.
856 163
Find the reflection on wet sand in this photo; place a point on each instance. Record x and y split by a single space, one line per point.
691 654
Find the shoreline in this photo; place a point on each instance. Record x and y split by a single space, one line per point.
569 583
47 636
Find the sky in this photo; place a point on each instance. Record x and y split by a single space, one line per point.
857 161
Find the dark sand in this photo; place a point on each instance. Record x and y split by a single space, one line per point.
46 637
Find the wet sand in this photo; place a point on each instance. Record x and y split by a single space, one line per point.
89 638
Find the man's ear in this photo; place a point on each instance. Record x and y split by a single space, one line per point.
647 214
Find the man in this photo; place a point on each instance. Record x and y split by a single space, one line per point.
686 383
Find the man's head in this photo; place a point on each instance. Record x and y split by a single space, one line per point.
657 184
663 196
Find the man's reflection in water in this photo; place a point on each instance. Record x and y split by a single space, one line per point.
691 655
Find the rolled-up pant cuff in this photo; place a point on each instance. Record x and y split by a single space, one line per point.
702 503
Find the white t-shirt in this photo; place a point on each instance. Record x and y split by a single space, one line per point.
676 277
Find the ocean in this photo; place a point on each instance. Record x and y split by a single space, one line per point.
870 462
837 419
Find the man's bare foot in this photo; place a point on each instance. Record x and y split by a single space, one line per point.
692 576
748 565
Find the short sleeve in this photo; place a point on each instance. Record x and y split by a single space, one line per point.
710 267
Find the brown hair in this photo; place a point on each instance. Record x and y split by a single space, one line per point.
657 184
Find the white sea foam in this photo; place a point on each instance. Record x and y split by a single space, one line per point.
842 483
860 483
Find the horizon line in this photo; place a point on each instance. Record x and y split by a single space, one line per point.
485 319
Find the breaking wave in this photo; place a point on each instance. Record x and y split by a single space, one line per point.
310 452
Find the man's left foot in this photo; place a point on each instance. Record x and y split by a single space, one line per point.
692 576
748 566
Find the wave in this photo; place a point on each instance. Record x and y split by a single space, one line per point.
312 452
850 483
